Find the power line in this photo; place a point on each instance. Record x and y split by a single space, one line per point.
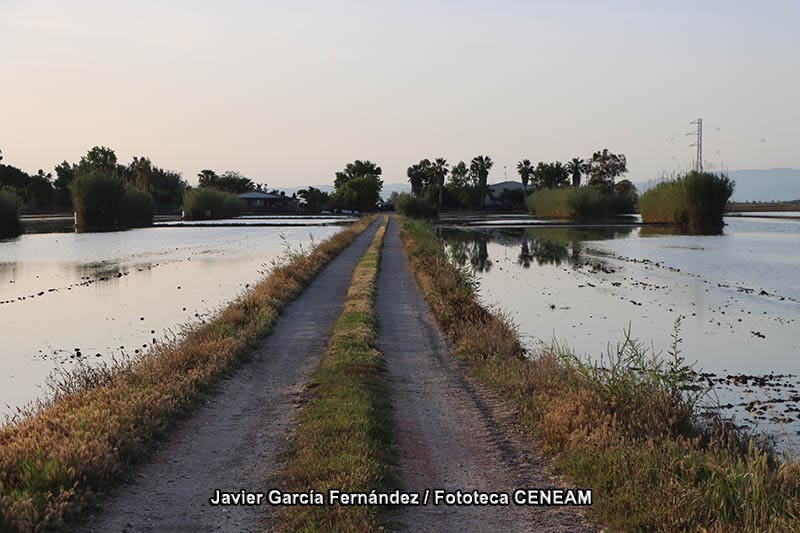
698 134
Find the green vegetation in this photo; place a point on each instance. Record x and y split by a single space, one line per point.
40 192
345 436
105 419
103 202
414 207
358 186
589 201
629 430
693 201
9 214
210 204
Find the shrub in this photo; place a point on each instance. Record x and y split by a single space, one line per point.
693 201
136 208
103 201
414 207
9 214
209 204
97 198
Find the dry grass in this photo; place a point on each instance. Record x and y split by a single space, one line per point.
622 431
345 434
83 439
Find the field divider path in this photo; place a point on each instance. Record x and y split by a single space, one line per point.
448 436
232 442
344 438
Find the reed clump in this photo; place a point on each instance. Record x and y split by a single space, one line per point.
588 201
344 438
102 420
628 428
415 207
694 201
104 202
206 203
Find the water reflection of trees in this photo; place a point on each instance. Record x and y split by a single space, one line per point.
464 247
540 246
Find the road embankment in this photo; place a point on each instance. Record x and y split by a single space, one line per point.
345 433
631 432
84 441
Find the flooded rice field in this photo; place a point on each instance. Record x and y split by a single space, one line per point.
68 297
737 294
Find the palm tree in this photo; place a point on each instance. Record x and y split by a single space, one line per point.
480 166
525 170
440 170
577 167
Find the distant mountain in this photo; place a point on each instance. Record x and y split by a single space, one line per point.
766 185
757 185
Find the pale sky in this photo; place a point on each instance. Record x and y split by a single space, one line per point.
289 92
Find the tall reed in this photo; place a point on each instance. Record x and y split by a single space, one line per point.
692 201
207 204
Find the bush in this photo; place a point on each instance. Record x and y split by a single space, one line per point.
103 202
591 201
693 201
210 204
414 207
136 209
9 214
97 198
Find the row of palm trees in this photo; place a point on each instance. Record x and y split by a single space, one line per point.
426 173
575 168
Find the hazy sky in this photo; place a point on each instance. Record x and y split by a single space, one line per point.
288 92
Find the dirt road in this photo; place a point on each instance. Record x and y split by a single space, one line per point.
232 442
448 437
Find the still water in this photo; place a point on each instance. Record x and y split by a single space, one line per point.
93 296
737 293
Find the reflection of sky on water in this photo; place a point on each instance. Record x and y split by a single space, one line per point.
100 291
739 294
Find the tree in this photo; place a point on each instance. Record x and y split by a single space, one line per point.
480 167
358 186
525 170
550 175
315 198
605 166
357 169
99 159
231 181
577 167
625 188
440 171
64 176
421 176
39 190
361 194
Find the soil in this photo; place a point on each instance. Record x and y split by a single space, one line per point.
232 442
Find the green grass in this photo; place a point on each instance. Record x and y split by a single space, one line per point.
345 435
693 201
630 430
